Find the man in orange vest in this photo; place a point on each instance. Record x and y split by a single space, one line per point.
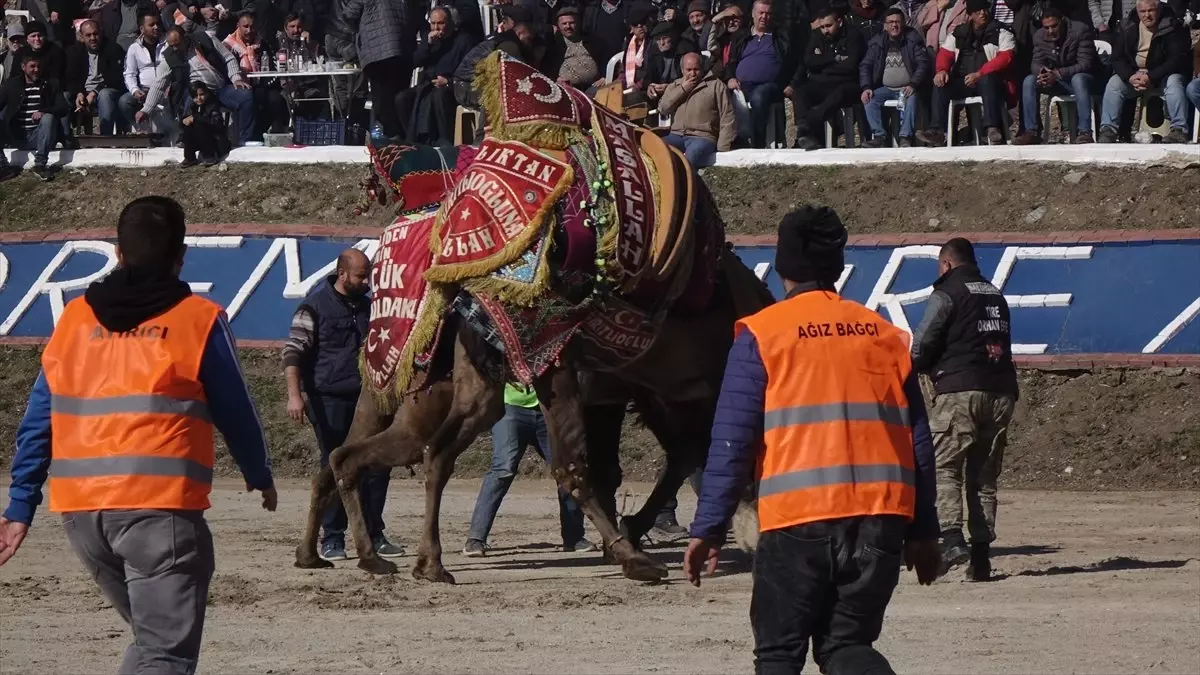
133 380
819 393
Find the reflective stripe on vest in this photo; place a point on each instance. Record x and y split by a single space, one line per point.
836 422
129 418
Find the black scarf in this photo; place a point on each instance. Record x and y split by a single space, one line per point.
128 297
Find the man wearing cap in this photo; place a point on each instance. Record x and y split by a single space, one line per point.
568 59
37 42
971 62
698 24
16 40
820 395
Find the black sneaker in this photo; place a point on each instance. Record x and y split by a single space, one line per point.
980 568
386 549
667 529
1107 135
954 551
9 171
44 173
188 163
905 142
1176 136
876 142
475 548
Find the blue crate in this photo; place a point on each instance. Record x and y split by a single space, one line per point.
319 132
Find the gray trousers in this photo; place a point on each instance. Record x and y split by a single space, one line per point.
154 567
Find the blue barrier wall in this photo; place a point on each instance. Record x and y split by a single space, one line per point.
1122 297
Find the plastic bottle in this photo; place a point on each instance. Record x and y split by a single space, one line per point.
901 100
281 60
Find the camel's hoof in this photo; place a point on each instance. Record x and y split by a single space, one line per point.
376 565
437 575
642 567
609 557
309 560
631 535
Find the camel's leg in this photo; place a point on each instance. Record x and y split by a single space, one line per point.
558 391
602 429
368 421
477 405
684 430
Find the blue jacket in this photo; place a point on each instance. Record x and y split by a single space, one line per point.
737 440
912 49
229 404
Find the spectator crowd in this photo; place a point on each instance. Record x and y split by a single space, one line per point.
713 74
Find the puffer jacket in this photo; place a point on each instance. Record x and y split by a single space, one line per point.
1170 50
912 49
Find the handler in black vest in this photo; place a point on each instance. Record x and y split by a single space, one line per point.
321 357
964 344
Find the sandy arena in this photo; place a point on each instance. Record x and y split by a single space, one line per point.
1089 583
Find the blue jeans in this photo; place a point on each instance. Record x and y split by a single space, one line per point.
331 417
518 429
1193 92
40 140
701 152
1080 85
1119 91
761 97
108 108
874 108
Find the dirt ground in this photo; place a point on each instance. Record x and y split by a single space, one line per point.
1089 583
906 198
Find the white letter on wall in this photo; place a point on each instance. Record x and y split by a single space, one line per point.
55 289
1173 328
225 241
1009 259
294 287
880 297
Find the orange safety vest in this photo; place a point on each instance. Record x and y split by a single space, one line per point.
129 422
835 424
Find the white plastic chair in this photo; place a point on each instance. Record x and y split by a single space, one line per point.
416 76
610 71
1067 109
951 118
487 13
1195 126
894 130
773 123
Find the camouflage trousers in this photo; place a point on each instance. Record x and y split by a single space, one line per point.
970 430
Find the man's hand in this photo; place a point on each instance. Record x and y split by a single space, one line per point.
139 95
295 407
11 535
440 81
655 90
305 36
600 83
733 83
80 101
908 91
689 83
941 79
434 35
943 4
37 116
270 498
187 121
1139 80
789 91
241 84
700 554
91 99
161 4
971 79
866 96
209 13
140 116
926 556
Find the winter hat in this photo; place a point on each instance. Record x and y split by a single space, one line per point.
35 27
810 246
977 5
664 28
698 6
16 30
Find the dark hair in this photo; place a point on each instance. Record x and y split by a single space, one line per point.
828 10
958 250
31 56
196 86
177 29
150 234
293 16
445 9
894 11
1052 12
148 12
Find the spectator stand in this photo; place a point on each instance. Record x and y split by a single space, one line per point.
1067 106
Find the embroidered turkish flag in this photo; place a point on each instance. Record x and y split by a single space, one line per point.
402 321
498 208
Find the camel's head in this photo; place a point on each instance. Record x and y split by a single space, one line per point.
412 177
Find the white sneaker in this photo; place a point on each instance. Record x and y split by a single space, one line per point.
581 546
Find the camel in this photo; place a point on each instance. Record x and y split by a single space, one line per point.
674 384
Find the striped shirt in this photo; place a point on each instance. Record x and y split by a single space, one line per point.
302 335
33 103
1002 13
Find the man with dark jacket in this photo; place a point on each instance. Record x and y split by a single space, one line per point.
386 36
964 343
663 65
820 407
1152 54
95 78
1064 57
866 16
427 110
31 108
320 363
606 23
760 65
896 63
971 62
828 79
51 55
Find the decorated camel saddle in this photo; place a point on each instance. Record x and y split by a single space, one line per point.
567 223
